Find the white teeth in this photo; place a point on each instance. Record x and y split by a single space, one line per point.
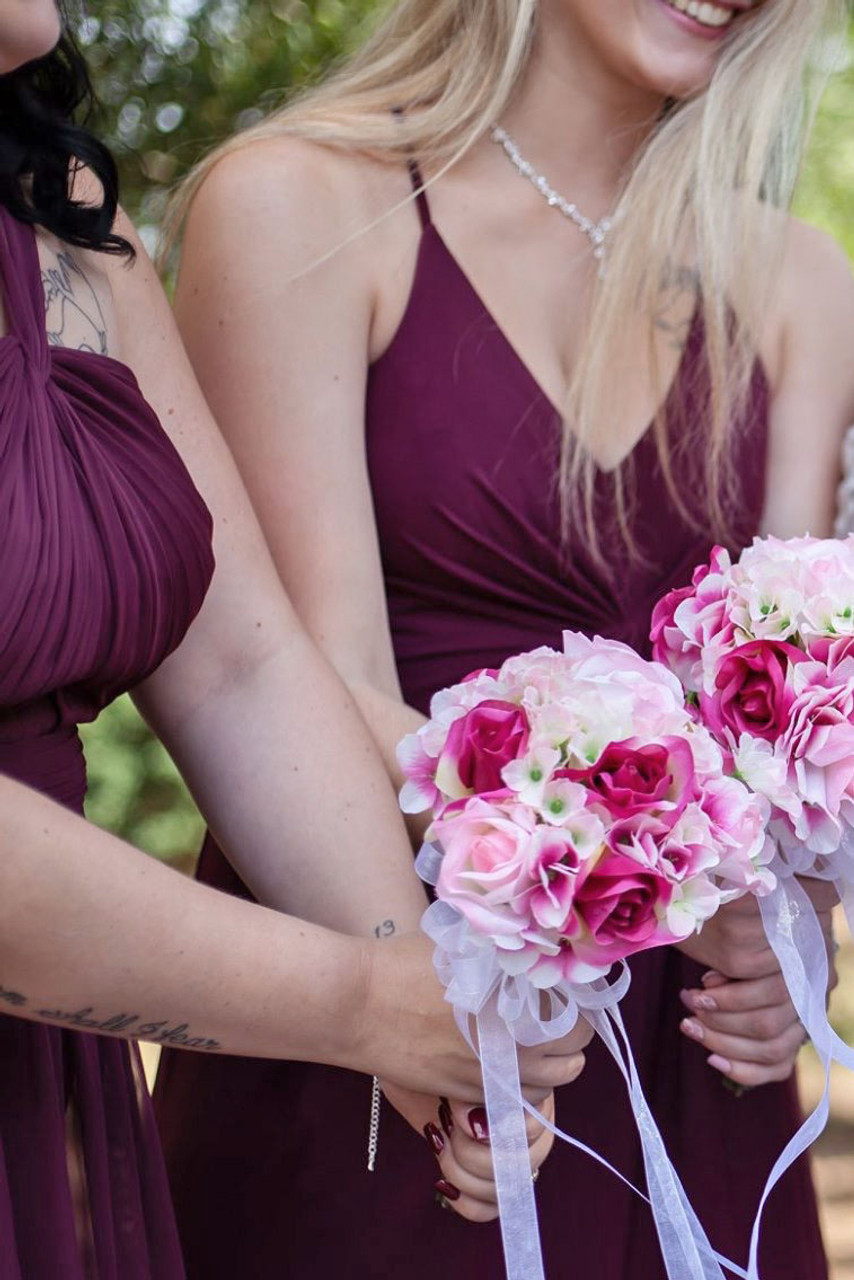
710 15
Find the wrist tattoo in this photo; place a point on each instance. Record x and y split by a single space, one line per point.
385 930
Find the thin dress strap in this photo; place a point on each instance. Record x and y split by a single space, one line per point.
20 278
420 194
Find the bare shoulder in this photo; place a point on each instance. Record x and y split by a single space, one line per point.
297 200
817 301
813 401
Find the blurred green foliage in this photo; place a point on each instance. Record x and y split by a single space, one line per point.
176 76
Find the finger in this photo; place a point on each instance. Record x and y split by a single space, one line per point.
751 1074
549 1071
752 1024
737 997
468 1183
573 1042
476 1159
473 1122
741 1049
450 1198
748 963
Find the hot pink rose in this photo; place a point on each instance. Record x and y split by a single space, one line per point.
752 693
621 903
479 745
633 778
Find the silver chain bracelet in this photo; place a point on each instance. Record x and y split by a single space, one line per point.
374 1126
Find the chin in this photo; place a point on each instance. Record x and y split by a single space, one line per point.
667 48
680 41
29 30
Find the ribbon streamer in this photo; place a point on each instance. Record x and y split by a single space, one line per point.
793 931
509 1012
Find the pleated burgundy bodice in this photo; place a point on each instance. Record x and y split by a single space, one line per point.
104 541
105 558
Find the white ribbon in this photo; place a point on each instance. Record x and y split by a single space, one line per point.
794 933
510 1011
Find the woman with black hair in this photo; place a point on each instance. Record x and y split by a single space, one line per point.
107 583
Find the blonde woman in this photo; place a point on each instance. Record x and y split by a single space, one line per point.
512 404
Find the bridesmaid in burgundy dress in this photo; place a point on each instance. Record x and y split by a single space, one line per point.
107 569
389 378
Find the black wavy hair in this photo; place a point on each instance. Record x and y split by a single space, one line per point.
44 108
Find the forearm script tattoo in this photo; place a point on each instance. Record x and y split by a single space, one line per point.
132 1025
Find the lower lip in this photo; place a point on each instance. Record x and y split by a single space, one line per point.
691 24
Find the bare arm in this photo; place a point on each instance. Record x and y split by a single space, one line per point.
282 353
271 743
96 936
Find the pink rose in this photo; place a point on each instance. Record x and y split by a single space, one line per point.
631 778
484 868
669 643
752 693
621 903
479 745
691 620
832 651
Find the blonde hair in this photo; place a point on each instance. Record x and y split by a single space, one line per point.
708 183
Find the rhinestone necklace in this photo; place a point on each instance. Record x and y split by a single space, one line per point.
596 232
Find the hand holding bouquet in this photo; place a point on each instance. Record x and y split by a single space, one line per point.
580 815
764 647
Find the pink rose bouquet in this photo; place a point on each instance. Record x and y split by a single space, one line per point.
764 647
580 814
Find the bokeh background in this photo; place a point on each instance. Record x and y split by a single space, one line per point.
176 76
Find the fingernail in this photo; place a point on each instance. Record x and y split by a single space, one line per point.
441 1202
447 1189
695 1030
434 1137
446 1119
712 976
477 1122
719 1063
701 1000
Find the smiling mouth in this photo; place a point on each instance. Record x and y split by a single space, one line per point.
715 16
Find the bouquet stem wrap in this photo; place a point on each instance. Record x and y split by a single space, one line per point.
506 1015
509 1143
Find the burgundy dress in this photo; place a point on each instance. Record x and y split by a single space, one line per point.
267 1160
106 557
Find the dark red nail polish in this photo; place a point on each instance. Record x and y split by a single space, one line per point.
447 1189
478 1124
434 1137
446 1120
